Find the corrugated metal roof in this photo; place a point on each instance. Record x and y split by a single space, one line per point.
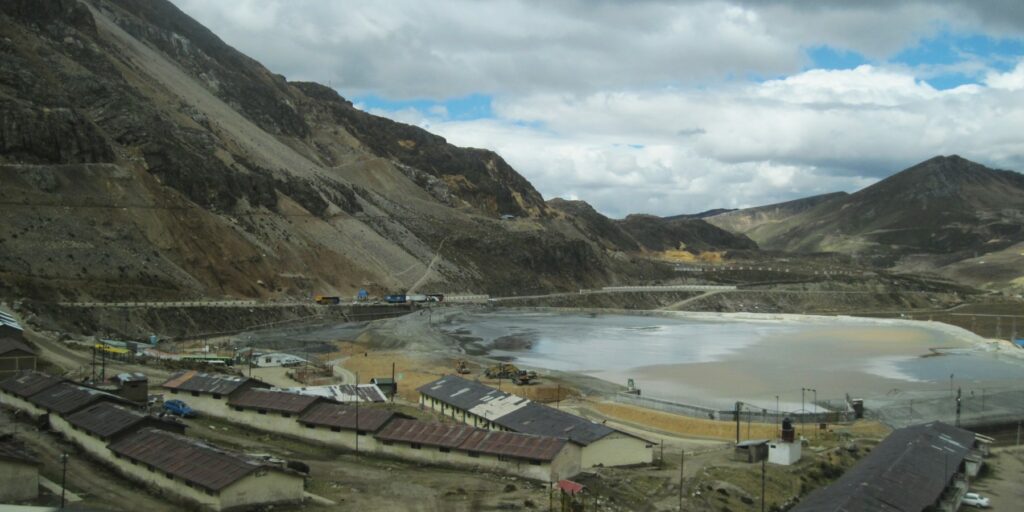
185 458
447 435
191 380
9 321
542 420
28 383
14 450
344 416
278 401
908 471
8 345
461 393
511 444
106 419
66 398
369 393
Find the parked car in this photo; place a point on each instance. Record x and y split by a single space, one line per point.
179 408
975 500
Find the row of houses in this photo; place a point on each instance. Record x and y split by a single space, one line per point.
485 407
917 468
544 449
150 450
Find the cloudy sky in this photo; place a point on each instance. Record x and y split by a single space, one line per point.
667 107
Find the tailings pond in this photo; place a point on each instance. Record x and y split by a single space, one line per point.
715 361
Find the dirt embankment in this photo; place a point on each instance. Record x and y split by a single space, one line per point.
631 300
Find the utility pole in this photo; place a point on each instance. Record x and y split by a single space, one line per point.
356 388
63 477
394 384
682 464
816 421
803 410
738 406
958 394
1018 431
764 468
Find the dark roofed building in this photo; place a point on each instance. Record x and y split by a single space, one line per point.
28 383
216 478
15 356
264 400
65 398
461 393
109 421
542 420
916 468
444 435
209 383
343 417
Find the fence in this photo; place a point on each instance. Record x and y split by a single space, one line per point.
747 413
978 406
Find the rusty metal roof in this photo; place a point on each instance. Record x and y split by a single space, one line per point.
278 401
106 419
445 435
221 384
511 444
28 383
343 416
185 458
9 345
65 398
14 450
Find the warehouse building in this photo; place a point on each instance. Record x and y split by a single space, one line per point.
208 393
922 467
335 425
485 407
65 398
15 390
196 472
94 427
15 356
275 411
19 471
537 457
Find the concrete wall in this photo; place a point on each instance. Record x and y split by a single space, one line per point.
92 445
344 439
460 415
263 487
19 481
784 454
616 450
17 402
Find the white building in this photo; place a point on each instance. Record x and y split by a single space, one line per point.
482 406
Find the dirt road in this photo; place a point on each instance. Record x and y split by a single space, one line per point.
1003 485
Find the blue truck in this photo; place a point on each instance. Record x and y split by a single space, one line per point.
179 408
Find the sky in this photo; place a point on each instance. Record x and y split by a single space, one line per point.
667 107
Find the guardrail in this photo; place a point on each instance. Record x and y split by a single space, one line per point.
669 288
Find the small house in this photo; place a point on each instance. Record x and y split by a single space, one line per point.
751 450
15 356
386 384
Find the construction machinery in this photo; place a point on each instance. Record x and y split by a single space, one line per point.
511 372
324 300
461 367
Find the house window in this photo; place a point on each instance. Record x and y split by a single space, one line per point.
444 450
285 415
504 458
195 393
262 411
473 454
239 409
188 484
216 396
169 476
335 429
415 446
387 443
361 432
535 463
209 492
174 391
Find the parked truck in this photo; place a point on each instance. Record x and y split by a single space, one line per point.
325 300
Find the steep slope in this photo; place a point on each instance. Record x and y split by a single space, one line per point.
945 205
762 223
143 157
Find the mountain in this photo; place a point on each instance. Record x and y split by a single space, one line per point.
650 233
946 206
762 223
142 157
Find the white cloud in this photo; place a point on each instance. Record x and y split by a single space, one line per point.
1011 81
